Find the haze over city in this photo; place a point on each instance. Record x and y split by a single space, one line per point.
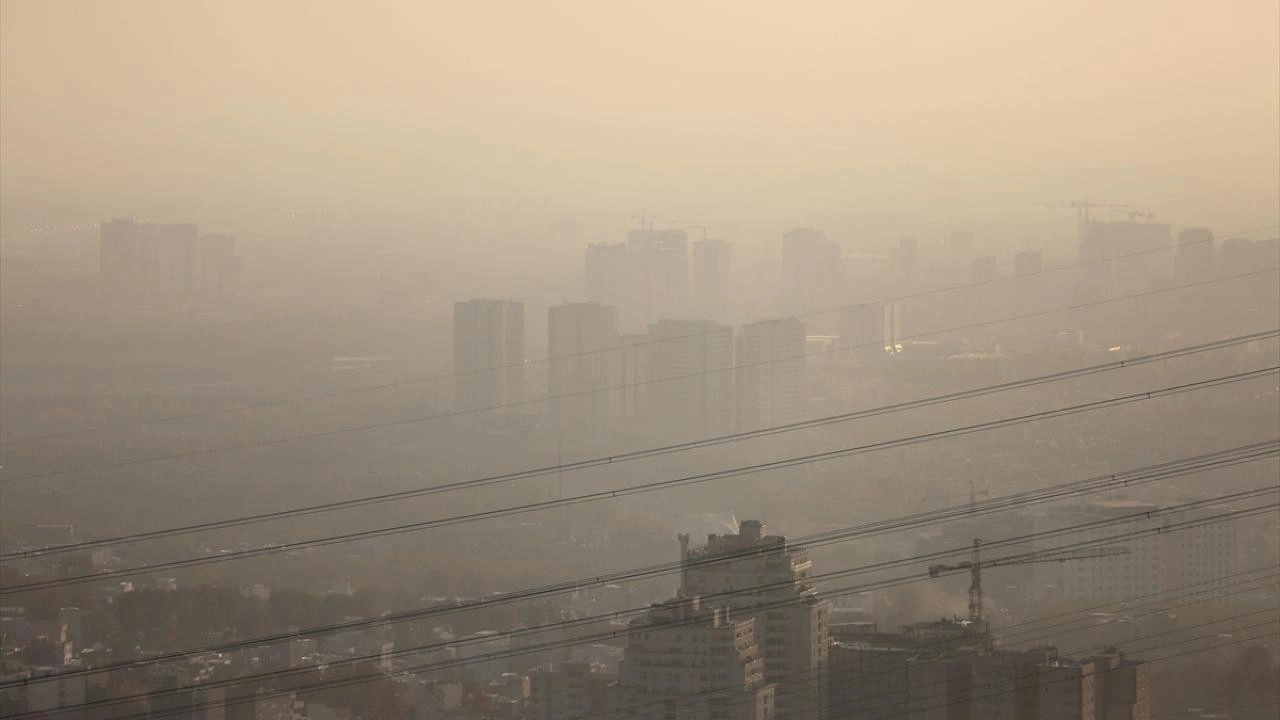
568 360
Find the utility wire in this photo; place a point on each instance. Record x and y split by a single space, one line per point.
942 643
651 381
489 657
648 452
1000 687
1131 478
876 663
568 356
652 486
764 588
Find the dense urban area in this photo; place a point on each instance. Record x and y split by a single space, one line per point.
700 361
831 416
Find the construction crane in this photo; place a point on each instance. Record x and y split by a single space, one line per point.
1082 208
1135 214
705 228
644 219
975 566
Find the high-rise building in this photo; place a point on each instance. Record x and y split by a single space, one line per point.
812 272
488 353
862 329
711 279
1195 259
661 257
1241 255
48 695
1257 289
610 280
771 366
1204 555
688 380
769 578
578 338
175 256
688 661
118 262
1123 257
932 671
626 374
218 266
148 256
570 690
985 298
1028 262
1028 283
906 260
982 269
893 336
647 279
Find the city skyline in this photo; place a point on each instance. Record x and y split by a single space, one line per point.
687 361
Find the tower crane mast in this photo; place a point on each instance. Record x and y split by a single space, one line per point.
1082 208
976 564
705 228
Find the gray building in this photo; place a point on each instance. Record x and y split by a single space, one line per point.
578 338
688 377
693 662
769 578
711 279
771 368
488 354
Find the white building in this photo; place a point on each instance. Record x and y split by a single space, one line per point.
1204 555
691 662
769 578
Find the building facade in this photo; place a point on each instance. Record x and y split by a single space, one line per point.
488 354
687 661
579 336
771 374
688 378
569 691
767 577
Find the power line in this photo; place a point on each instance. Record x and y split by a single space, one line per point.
571 642
639 383
568 356
617 634
904 579
652 486
1177 630
1126 479
344 682
646 453
1041 684
942 643
785 691
1037 633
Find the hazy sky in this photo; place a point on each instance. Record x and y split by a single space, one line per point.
722 107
